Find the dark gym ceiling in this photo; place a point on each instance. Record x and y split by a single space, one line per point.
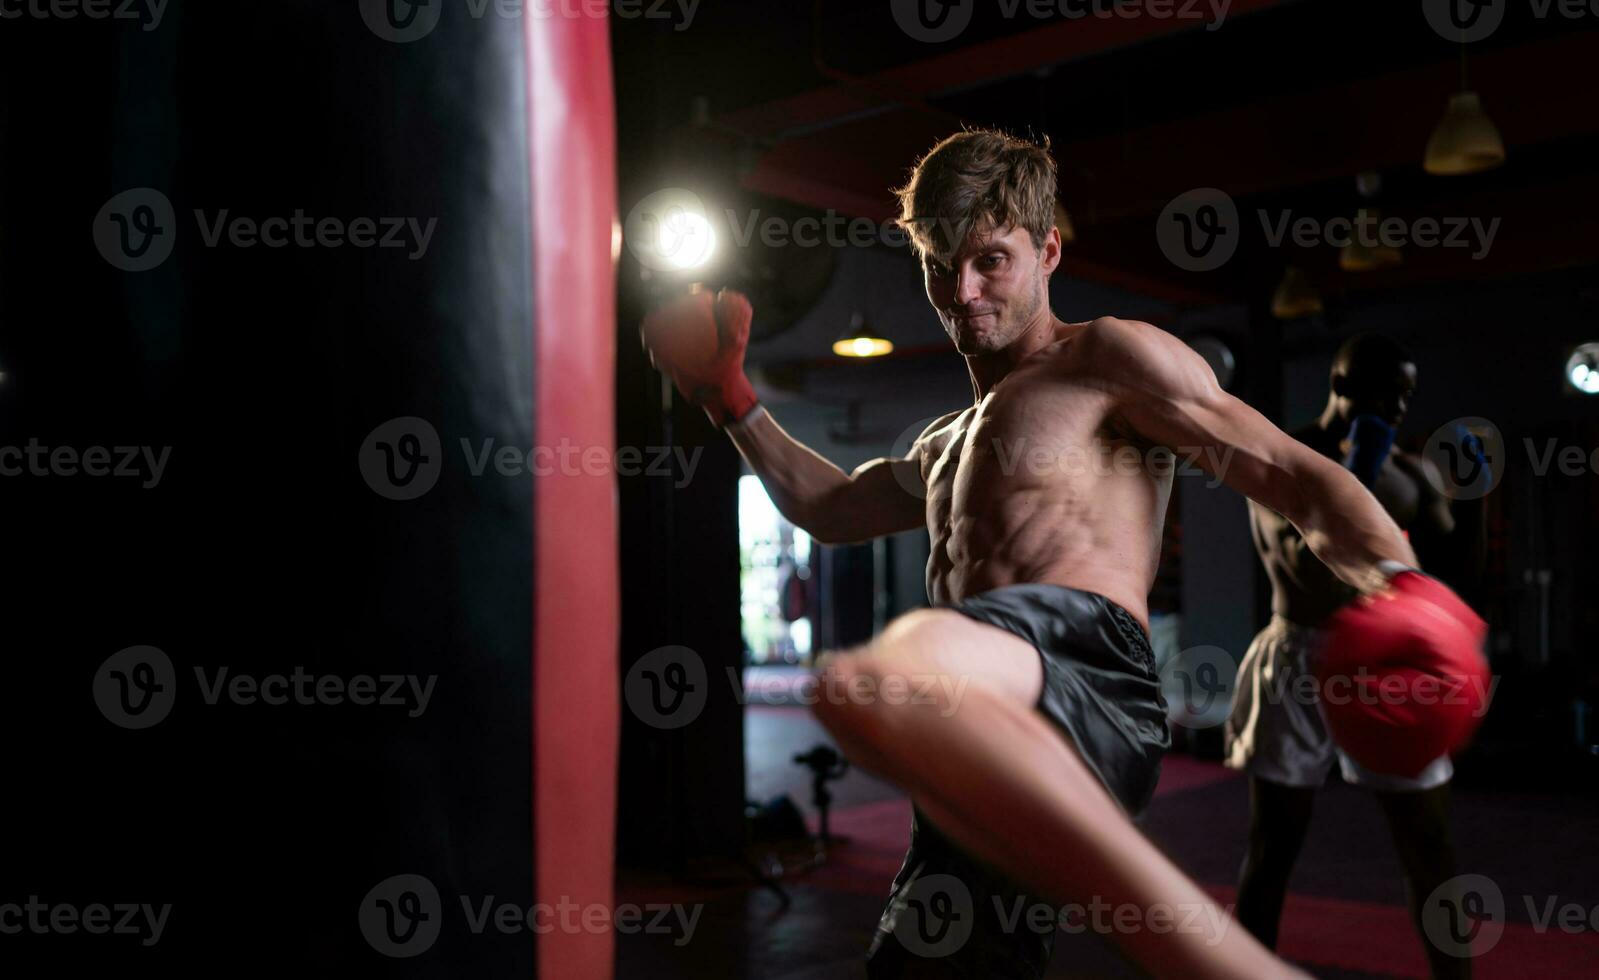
822 106
825 105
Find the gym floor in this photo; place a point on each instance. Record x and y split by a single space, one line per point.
1345 917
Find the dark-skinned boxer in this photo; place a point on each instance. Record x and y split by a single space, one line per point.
1044 734
1277 732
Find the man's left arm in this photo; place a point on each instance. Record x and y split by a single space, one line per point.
1409 630
1165 393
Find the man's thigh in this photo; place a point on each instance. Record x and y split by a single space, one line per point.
944 643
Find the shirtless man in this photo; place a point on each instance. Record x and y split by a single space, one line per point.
1044 547
1278 736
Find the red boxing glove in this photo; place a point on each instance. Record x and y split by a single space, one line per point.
699 342
1403 676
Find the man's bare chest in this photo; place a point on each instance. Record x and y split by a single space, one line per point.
1023 436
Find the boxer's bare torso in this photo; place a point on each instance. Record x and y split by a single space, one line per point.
1041 482
1305 591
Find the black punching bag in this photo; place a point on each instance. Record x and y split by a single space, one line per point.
301 675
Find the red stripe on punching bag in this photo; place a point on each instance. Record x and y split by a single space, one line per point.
575 606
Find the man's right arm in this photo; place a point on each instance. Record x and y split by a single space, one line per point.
883 496
699 341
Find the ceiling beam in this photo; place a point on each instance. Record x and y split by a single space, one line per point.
958 69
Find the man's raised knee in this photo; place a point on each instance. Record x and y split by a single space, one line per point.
864 690
842 681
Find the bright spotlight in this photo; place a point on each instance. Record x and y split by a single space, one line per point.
685 240
670 231
1582 369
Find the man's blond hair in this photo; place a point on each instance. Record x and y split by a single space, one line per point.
978 179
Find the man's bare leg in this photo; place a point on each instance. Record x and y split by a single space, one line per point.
952 722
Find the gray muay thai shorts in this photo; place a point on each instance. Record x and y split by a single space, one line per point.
948 913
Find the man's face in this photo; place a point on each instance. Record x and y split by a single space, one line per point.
992 289
1384 392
